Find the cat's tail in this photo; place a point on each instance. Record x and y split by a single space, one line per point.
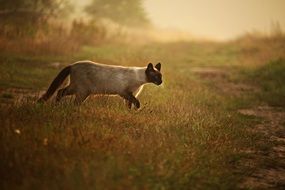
55 83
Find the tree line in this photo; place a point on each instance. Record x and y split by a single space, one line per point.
28 16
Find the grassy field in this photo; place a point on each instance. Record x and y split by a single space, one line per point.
189 133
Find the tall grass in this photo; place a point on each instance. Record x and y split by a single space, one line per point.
53 39
270 78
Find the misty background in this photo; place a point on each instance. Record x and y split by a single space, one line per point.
214 19
218 19
209 19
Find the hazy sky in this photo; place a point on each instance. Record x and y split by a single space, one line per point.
220 19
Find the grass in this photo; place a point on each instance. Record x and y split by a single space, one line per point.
271 79
103 145
186 136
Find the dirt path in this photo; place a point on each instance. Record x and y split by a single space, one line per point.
270 162
271 175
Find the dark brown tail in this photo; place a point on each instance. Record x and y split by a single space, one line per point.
55 83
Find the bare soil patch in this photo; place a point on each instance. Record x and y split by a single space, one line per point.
209 72
222 82
18 95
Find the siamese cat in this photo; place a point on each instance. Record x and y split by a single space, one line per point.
87 77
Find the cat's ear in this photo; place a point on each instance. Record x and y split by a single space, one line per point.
158 66
149 67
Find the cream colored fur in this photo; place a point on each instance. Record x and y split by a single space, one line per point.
87 78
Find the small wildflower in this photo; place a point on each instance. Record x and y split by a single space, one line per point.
17 131
45 141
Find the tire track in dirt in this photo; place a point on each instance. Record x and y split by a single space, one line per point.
272 174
